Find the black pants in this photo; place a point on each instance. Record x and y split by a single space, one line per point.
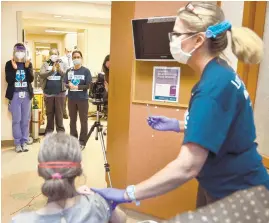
65 102
80 107
54 110
203 198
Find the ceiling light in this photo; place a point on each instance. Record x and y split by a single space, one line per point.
57 16
58 31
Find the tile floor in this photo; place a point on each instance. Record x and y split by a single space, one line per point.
20 181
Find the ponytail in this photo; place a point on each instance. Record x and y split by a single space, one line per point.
247 46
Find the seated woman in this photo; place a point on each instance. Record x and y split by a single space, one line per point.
59 164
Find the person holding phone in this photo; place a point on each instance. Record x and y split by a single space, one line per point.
52 82
19 76
78 80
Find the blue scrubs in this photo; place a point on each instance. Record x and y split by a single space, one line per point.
220 119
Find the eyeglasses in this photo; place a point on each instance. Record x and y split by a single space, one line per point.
171 34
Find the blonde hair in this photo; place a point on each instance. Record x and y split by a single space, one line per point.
59 147
246 44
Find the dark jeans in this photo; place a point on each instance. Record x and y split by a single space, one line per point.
54 110
80 107
203 198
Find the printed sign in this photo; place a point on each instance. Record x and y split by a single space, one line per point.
165 86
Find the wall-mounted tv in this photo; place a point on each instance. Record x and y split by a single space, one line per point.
150 37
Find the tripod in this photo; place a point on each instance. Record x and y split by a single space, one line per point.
99 132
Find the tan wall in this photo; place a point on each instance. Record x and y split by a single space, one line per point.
134 155
147 155
70 40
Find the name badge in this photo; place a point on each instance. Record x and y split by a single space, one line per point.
54 78
70 75
79 77
22 94
20 84
75 90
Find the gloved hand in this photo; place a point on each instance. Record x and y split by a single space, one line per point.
162 123
112 195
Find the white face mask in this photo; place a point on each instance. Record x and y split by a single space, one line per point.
53 58
69 55
77 61
176 50
20 55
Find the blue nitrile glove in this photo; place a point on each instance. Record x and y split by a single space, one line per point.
112 195
162 123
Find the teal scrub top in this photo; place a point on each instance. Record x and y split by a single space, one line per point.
220 119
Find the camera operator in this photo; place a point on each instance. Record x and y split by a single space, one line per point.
52 82
105 69
78 80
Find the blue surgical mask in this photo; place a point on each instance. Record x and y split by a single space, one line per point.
77 61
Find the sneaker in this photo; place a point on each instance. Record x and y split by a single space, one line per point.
82 147
25 148
18 149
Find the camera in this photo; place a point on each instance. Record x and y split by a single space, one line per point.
97 89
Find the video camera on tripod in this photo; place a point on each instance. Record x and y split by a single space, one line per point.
97 90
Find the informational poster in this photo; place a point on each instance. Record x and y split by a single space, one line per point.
166 82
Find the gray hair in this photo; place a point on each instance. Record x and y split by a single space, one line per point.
54 49
59 147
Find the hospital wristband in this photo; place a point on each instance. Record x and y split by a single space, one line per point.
130 190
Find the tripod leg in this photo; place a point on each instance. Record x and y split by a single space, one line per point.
107 167
90 132
96 133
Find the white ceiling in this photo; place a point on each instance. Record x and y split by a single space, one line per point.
41 30
31 20
28 17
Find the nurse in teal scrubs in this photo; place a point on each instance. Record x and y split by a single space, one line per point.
219 147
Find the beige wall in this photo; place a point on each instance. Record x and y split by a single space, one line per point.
70 40
98 46
261 108
33 38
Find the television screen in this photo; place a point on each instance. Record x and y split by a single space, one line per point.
151 38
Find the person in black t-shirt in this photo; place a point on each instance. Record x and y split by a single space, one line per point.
78 80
